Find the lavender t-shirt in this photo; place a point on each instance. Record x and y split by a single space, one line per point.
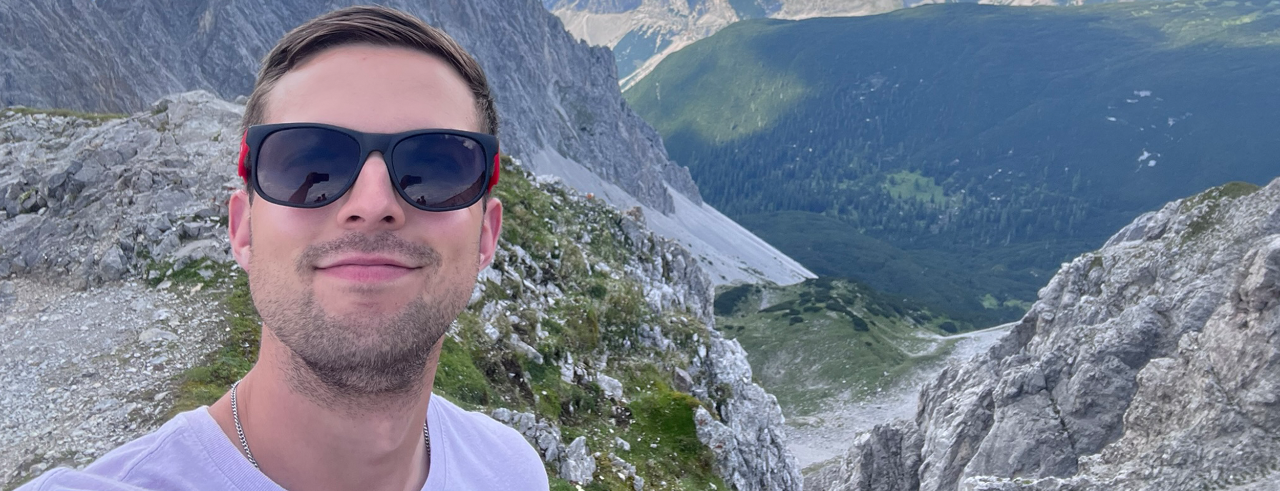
468 451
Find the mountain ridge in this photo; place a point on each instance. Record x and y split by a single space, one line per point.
643 32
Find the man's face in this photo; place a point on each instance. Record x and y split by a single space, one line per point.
361 289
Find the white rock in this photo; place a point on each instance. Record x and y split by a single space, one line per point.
612 387
154 334
520 347
492 332
578 465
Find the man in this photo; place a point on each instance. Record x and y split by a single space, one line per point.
368 156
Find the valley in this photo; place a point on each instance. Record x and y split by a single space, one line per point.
959 154
840 357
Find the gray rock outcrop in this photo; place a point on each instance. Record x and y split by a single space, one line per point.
883 459
96 202
1151 364
573 462
746 434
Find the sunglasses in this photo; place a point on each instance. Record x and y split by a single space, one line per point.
310 165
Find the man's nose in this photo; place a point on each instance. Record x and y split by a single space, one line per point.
372 202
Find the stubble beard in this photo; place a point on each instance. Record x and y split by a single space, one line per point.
358 359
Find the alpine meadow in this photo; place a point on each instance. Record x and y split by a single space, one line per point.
957 154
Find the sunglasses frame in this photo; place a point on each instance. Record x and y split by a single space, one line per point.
253 138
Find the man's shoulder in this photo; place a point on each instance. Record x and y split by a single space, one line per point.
111 471
175 456
483 452
480 430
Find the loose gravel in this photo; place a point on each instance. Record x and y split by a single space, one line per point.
85 371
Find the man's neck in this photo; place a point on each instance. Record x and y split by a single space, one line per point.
305 442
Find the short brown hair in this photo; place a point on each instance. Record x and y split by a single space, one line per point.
379 26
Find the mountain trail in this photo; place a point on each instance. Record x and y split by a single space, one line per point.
827 434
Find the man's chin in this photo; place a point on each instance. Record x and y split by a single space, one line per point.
361 373
360 304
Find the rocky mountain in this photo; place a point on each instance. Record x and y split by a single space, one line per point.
120 305
1150 364
643 32
557 98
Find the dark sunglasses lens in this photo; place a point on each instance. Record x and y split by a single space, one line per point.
306 166
439 171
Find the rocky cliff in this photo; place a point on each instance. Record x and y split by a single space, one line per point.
643 32
1151 364
557 98
590 334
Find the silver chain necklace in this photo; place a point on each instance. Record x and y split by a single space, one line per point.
244 444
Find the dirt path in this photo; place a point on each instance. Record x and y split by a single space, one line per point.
827 434
87 370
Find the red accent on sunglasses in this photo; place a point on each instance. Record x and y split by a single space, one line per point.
493 180
244 156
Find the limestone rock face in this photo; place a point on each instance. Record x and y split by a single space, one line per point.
884 460
573 462
94 201
1151 364
747 433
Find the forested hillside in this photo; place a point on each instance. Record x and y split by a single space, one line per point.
975 147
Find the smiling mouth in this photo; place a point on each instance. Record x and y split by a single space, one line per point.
367 273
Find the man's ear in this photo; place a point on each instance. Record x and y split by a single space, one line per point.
490 229
238 227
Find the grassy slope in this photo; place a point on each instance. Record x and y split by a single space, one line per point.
820 339
1003 140
598 314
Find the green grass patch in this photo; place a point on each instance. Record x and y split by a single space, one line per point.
1213 199
663 437
742 109
826 338
909 185
525 211
204 384
458 378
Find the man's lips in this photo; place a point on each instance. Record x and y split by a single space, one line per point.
366 269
